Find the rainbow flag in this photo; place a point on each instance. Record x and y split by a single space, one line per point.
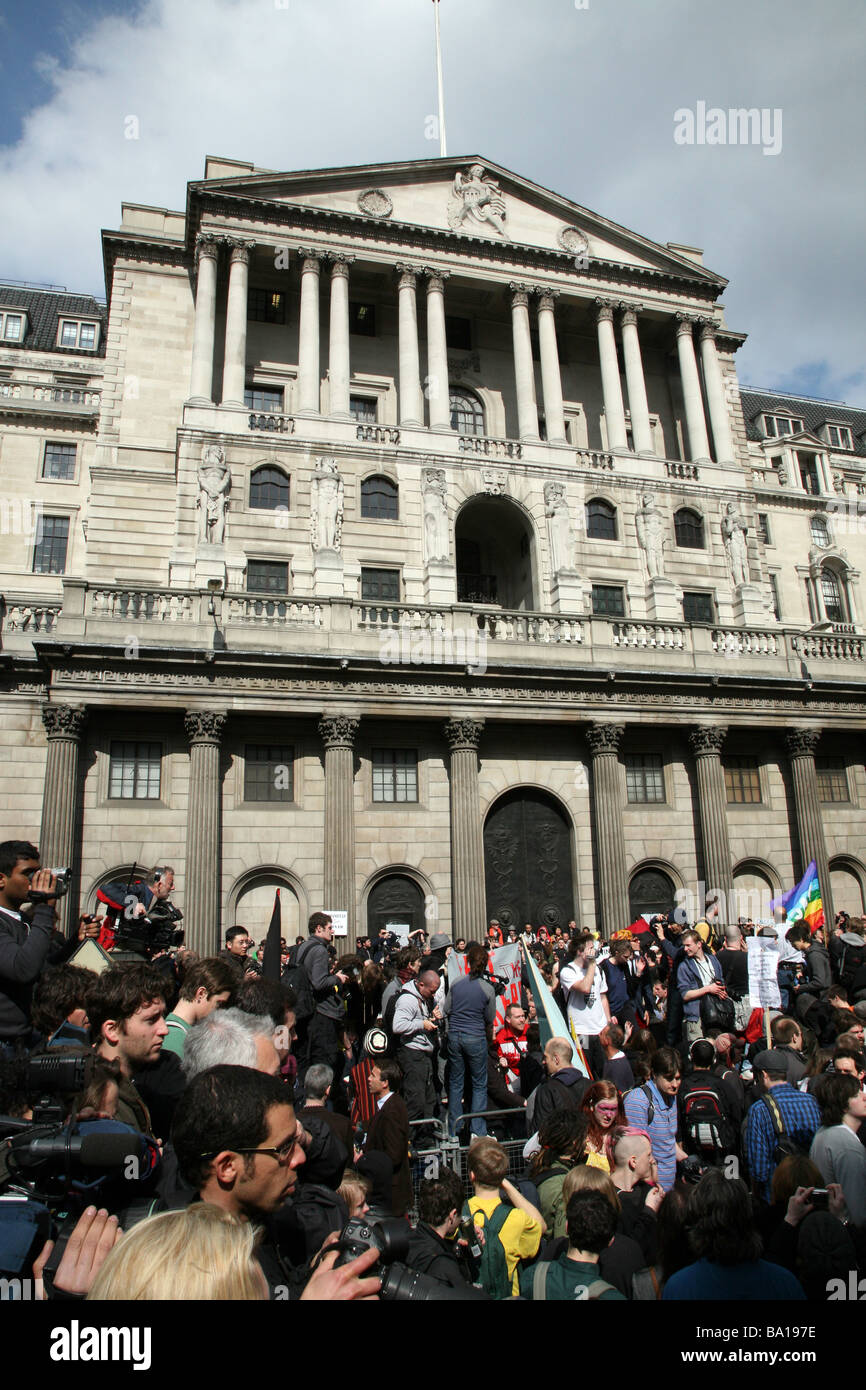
804 902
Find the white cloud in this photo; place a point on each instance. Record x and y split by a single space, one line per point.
581 101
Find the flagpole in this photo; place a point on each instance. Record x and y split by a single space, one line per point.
442 147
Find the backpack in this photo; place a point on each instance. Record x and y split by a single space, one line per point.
650 1103
493 1273
297 978
388 1019
705 1127
853 958
539 1284
785 1145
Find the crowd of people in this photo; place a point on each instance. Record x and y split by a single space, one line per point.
393 1123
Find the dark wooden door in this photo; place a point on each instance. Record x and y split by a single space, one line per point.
394 899
528 863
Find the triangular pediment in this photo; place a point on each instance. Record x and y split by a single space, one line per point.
469 196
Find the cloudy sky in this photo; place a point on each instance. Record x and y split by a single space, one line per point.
578 95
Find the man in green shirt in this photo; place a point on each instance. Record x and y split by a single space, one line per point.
591 1224
208 985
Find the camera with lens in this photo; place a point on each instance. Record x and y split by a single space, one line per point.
499 985
399 1283
63 878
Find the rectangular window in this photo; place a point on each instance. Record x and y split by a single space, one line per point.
74 334
266 306
698 608
395 774
458 333
134 771
364 409
269 772
267 577
58 462
13 327
644 777
380 586
839 437
69 335
809 474
742 780
87 335
608 601
832 782
52 539
362 320
764 528
778 425
264 398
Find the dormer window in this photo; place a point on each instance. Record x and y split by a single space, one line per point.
13 326
78 333
777 425
839 437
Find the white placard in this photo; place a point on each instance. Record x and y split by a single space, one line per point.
340 921
763 965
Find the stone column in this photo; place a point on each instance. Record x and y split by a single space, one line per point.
524 371
338 352
634 379
201 372
551 378
438 389
699 444
64 726
604 741
468 901
801 744
719 419
611 385
202 896
706 742
338 733
235 367
411 408
309 373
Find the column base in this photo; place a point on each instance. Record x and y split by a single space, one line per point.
199 401
568 593
530 439
441 429
340 415
664 601
232 405
308 412
749 607
411 424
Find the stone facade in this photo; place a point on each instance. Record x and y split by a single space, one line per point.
429 562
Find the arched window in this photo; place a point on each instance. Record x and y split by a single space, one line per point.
689 529
269 489
833 595
379 498
820 530
600 520
467 412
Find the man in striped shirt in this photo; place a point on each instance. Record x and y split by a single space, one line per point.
653 1108
779 1104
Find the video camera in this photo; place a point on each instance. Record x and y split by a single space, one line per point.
399 1283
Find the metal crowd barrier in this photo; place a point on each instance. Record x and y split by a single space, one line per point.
445 1151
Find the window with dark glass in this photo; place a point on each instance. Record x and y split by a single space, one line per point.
831 590
779 425
379 498
58 462
467 413
362 319
266 306
600 520
269 489
458 333
742 780
832 781
839 437
608 601
52 540
269 772
774 590
380 586
267 577
364 409
764 528
134 770
395 774
689 529
698 608
809 474
267 399
820 530
644 777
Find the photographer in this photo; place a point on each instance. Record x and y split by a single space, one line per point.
24 950
435 1247
145 918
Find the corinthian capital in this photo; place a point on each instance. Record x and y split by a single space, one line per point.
207 244
204 725
605 309
64 721
338 730
519 292
685 323
464 733
802 742
707 738
605 738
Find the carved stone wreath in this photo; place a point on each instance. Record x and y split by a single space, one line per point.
374 202
572 239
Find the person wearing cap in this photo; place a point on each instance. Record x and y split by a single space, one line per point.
780 1113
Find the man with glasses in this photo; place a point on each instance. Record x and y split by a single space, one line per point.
239 1145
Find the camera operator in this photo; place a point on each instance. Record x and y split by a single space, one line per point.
144 916
25 949
435 1248
235 954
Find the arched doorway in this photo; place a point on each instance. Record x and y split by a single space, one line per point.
528 865
396 904
495 559
846 884
754 890
650 891
255 903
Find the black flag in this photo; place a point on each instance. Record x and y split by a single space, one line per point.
272 967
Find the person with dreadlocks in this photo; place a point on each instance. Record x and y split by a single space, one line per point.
562 1137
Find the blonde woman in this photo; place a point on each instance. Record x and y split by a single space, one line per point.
200 1254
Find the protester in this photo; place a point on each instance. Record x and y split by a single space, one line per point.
207 985
836 1148
591 1223
516 1224
470 1009
602 1106
652 1107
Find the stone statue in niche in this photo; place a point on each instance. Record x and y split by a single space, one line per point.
326 506
559 529
734 534
650 525
436 538
214 482
476 202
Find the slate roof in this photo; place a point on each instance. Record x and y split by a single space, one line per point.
44 308
813 412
